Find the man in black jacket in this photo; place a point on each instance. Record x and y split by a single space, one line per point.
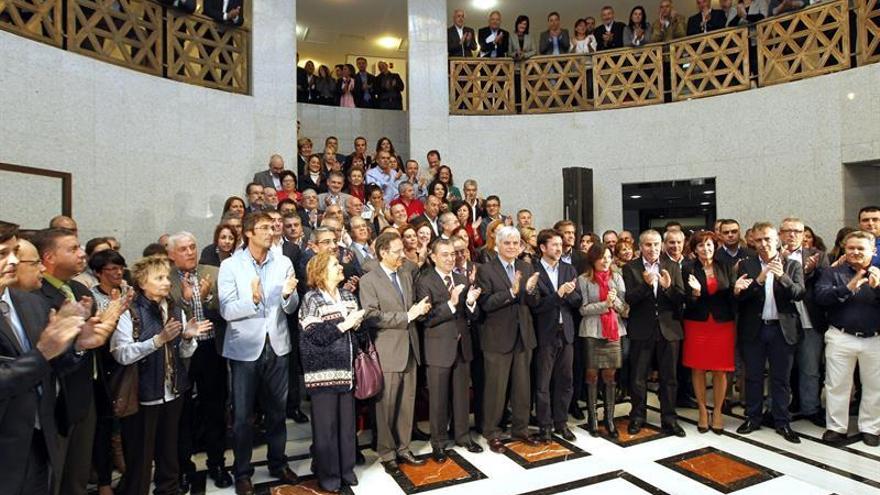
654 292
767 328
363 91
493 40
460 39
555 330
388 88
706 19
610 34
229 11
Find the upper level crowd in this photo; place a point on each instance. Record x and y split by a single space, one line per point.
342 252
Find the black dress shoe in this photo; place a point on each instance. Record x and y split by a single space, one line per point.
359 459
243 486
576 412
871 440
566 433
419 435
833 437
221 477
438 455
527 439
408 458
352 481
298 416
472 447
787 433
674 429
286 475
545 435
185 484
817 419
635 426
748 426
391 467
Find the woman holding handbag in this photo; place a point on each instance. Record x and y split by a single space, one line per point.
328 315
151 337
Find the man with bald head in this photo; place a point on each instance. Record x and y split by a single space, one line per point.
29 271
272 177
63 222
460 39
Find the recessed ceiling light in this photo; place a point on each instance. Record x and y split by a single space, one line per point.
851 95
635 196
389 42
484 4
710 191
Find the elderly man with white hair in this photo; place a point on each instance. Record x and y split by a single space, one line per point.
194 289
508 291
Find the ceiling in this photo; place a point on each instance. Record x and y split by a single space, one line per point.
329 30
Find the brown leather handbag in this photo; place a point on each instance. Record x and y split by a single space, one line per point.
124 381
368 380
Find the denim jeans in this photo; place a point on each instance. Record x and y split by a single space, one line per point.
266 377
809 357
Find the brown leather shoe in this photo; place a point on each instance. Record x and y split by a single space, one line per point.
286 475
527 439
496 446
244 486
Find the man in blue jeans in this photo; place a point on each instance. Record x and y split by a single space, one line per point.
256 289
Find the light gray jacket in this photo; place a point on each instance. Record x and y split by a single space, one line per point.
592 308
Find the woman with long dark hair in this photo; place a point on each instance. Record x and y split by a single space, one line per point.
638 30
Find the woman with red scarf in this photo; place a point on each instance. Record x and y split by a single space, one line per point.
603 309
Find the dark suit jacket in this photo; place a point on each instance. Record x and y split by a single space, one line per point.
817 314
77 388
546 314
545 45
210 308
454 45
500 50
786 289
359 96
721 304
20 375
445 332
717 20
722 255
214 10
388 91
188 6
306 182
264 178
505 316
616 41
647 312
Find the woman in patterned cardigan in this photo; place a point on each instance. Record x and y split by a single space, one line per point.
327 315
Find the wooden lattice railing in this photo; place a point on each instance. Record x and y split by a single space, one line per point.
805 43
868 15
36 19
711 64
206 53
628 77
123 32
554 83
481 86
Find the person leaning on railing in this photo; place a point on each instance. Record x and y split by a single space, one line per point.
669 24
638 31
706 19
583 41
555 40
229 11
779 7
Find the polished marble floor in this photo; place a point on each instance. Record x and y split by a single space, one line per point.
651 462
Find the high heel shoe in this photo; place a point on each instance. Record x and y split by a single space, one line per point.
703 429
720 429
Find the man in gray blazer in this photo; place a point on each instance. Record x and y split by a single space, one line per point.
386 294
271 177
508 290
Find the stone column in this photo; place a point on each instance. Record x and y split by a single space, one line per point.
428 85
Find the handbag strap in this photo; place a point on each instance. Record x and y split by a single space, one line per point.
135 324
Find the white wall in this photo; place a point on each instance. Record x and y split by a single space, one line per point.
318 122
774 151
148 155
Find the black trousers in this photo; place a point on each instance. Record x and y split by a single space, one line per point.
641 353
77 448
294 368
102 448
478 378
578 369
553 366
769 345
150 435
204 415
442 381
36 473
334 438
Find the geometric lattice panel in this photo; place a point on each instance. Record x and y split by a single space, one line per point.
710 64
207 53
554 83
628 77
481 86
37 19
869 31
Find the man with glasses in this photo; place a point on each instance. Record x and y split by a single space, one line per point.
732 247
811 344
257 288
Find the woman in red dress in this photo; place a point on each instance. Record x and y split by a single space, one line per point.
709 327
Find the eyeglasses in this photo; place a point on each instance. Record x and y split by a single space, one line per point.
29 262
791 231
326 241
262 228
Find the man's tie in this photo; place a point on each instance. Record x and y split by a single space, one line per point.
397 287
23 340
68 293
510 272
449 283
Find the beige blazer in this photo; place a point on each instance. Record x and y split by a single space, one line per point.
592 308
386 313
528 47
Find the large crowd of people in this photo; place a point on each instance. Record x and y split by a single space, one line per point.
350 86
367 283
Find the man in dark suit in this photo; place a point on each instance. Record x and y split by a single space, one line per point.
555 331
271 177
31 345
302 82
194 289
655 293
447 344
767 328
388 88
460 39
610 34
188 6
386 294
493 40
509 288
555 40
732 248
578 259
63 258
363 88
228 11
431 215
706 19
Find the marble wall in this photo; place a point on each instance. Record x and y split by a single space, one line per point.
317 122
147 155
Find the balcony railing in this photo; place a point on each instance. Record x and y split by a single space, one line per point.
806 43
139 35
